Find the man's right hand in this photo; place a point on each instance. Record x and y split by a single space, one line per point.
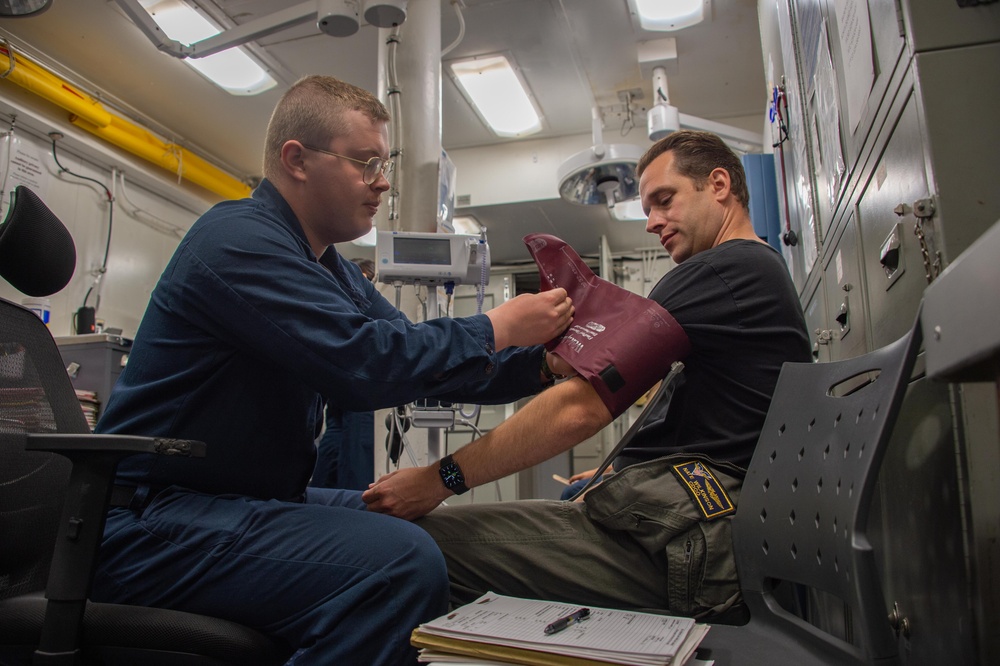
531 319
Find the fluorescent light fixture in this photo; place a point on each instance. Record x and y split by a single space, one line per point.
628 211
232 70
670 14
498 95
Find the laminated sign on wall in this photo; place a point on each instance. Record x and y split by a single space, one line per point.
620 342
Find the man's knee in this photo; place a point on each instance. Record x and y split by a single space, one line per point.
419 558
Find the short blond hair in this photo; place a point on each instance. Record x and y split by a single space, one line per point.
312 111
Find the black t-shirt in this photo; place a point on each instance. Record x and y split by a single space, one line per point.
739 308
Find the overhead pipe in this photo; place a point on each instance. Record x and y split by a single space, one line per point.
88 113
170 156
46 85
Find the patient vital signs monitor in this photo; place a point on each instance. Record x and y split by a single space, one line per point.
432 258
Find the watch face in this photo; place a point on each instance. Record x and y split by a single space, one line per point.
452 475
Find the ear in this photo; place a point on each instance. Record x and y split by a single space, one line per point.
720 183
293 160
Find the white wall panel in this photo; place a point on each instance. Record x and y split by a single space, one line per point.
145 231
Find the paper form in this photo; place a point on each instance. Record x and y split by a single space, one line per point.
513 622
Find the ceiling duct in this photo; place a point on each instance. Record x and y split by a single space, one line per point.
602 174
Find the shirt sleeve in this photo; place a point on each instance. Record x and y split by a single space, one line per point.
254 287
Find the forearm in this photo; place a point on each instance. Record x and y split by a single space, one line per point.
554 421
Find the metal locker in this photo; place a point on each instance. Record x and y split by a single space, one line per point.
889 211
920 540
959 93
820 335
844 291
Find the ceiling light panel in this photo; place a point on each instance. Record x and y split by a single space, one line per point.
662 15
494 88
232 70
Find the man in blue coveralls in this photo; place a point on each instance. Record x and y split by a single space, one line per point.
253 320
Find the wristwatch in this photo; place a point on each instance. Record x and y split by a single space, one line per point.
451 475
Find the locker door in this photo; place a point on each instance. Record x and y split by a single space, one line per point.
843 286
820 333
887 215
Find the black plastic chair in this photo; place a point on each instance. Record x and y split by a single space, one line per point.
56 479
803 512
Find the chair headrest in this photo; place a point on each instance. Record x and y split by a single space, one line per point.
37 254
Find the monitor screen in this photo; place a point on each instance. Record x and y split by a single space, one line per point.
435 251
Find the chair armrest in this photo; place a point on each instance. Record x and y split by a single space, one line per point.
81 528
69 443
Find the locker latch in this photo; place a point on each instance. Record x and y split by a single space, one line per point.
891 255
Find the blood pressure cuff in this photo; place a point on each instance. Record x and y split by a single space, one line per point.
620 342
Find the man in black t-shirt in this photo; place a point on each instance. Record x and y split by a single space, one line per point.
639 540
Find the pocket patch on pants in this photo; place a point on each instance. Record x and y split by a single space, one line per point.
705 490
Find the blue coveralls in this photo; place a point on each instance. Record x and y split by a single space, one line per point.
244 332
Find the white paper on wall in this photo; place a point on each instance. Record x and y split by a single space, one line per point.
854 28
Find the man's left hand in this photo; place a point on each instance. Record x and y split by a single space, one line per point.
407 493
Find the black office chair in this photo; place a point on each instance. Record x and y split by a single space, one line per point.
56 479
803 512
37 254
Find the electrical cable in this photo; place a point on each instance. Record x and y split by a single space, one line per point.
473 414
405 442
457 4
779 100
9 137
421 297
449 291
11 57
396 441
54 136
137 213
394 95
466 422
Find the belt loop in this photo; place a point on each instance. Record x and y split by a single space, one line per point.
138 501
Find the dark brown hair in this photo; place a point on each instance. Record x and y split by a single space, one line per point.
696 154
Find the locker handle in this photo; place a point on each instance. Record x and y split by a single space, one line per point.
843 318
891 255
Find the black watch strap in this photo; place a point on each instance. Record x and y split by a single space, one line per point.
451 475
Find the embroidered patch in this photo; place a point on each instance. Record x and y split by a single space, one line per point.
708 494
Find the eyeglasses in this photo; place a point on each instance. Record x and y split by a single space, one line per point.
374 166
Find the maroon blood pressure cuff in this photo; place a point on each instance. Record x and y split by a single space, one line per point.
620 342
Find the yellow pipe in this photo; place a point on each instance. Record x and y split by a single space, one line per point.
39 81
88 113
169 156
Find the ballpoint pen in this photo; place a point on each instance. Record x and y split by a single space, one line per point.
563 622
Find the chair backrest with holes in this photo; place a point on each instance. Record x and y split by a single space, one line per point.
803 510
